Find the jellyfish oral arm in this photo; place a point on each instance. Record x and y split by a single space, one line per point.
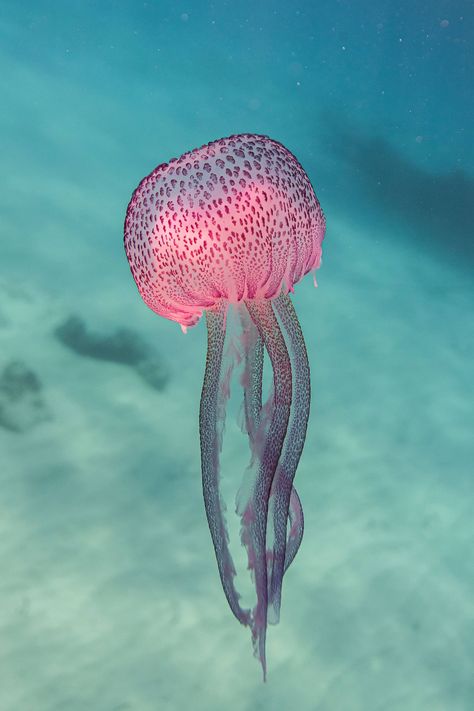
252 384
252 377
286 501
210 448
276 434
295 535
265 320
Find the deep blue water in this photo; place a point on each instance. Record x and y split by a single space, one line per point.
109 593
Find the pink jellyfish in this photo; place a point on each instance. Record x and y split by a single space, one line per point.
237 222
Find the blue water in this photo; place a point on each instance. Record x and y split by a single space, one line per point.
109 593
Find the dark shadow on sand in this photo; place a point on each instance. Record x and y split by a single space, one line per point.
440 206
122 346
21 401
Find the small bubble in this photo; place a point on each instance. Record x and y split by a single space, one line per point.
444 24
419 139
184 17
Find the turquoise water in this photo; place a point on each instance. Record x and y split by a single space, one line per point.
109 593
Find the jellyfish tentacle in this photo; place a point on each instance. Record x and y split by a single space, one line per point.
294 443
209 437
264 318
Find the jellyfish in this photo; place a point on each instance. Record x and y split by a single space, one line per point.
237 223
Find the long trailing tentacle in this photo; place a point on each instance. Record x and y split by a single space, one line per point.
256 514
210 447
283 482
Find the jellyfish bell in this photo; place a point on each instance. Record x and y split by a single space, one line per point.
237 222
233 220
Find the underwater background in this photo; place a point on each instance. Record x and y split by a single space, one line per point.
109 594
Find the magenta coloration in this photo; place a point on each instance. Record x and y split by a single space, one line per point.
237 222
236 219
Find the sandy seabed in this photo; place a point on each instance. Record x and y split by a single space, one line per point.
110 597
